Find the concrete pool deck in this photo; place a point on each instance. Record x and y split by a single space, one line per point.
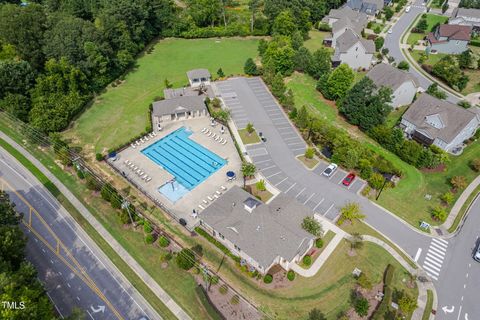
183 208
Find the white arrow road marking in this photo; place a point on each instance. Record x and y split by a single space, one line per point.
447 310
99 309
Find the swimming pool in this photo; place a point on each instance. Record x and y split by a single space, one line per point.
186 160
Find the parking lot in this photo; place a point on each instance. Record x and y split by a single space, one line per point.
250 101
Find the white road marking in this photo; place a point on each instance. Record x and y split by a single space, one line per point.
270 167
433 262
58 310
262 161
328 210
431 271
281 181
440 240
433 249
294 143
293 185
272 175
459 312
300 192
318 204
286 139
297 149
309 198
419 252
431 266
438 246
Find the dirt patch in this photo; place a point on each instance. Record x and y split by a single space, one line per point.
370 295
437 169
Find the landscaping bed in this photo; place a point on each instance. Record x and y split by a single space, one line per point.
248 138
309 163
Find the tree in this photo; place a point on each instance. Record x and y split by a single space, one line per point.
205 12
339 82
220 73
407 304
361 306
365 106
253 6
447 197
379 41
16 77
447 69
439 213
458 182
302 117
316 314
303 59
434 91
284 24
250 128
17 105
311 225
250 67
465 59
279 55
388 13
185 259
403 65
309 153
350 212
278 86
422 25
321 63
248 170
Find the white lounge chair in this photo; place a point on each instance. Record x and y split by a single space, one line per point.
221 140
133 146
203 130
223 188
148 179
151 135
205 201
216 196
154 133
141 140
217 138
126 162
146 138
141 173
218 192
210 198
201 207
224 142
210 134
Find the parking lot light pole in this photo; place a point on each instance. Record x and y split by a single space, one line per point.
381 189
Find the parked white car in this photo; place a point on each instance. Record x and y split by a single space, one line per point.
407 9
332 167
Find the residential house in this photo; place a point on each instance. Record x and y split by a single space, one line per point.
262 235
341 20
403 84
353 50
433 121
198 77
466 17
370 7
177 108
449 38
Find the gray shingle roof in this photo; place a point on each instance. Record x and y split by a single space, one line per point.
349 39
178 105
198 73
269 231
467 13
355 24
344 12
386 75
453 117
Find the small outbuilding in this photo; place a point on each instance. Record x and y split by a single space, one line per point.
182 107
198 77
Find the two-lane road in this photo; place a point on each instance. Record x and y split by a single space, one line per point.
74 270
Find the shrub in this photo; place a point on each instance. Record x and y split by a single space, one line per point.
165 256
149 239
249 128
214 280
147 227
99 156
307 260
361 306
106 192
235 300
311 225
458 182
268 278
403 65
439 213
309 153
475 164
291 275
185 259
223 289
322 26
364 282
163 242
350 212
376 181
261 185
388 276
407 304
319 243
447 197
80 174
377 30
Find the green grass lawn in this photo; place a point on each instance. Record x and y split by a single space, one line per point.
432 20
413 38
329 290
429 305
431 58
121 112
473 84
315 41
248 138
395 116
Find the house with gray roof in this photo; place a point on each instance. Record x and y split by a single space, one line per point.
466 17
433 121
198 77
181 107
403 84
353 50
370 7
341 20
449 38
262 235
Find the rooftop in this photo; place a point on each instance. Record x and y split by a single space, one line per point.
262 231
387 75
347 40
178 105
467 13
198 73
439 118
450 31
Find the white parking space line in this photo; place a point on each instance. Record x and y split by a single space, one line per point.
294 143
270 167
287 139
309 198
300 192
286 128
272 175
293 185
272 118
297 149
318 204
336 171
287 134
262 161
281 182
258 152
328 210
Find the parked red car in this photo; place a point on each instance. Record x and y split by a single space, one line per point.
348 179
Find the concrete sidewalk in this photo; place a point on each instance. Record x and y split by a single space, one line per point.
134 265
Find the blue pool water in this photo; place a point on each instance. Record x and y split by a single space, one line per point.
173 190
186 160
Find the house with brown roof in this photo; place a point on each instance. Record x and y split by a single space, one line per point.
449 38
433 121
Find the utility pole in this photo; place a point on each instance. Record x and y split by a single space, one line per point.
126 205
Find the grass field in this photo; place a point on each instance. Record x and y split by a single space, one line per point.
432 20
316 40
121 112
329 290
431 58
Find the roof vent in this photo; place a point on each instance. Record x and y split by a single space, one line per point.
250 204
